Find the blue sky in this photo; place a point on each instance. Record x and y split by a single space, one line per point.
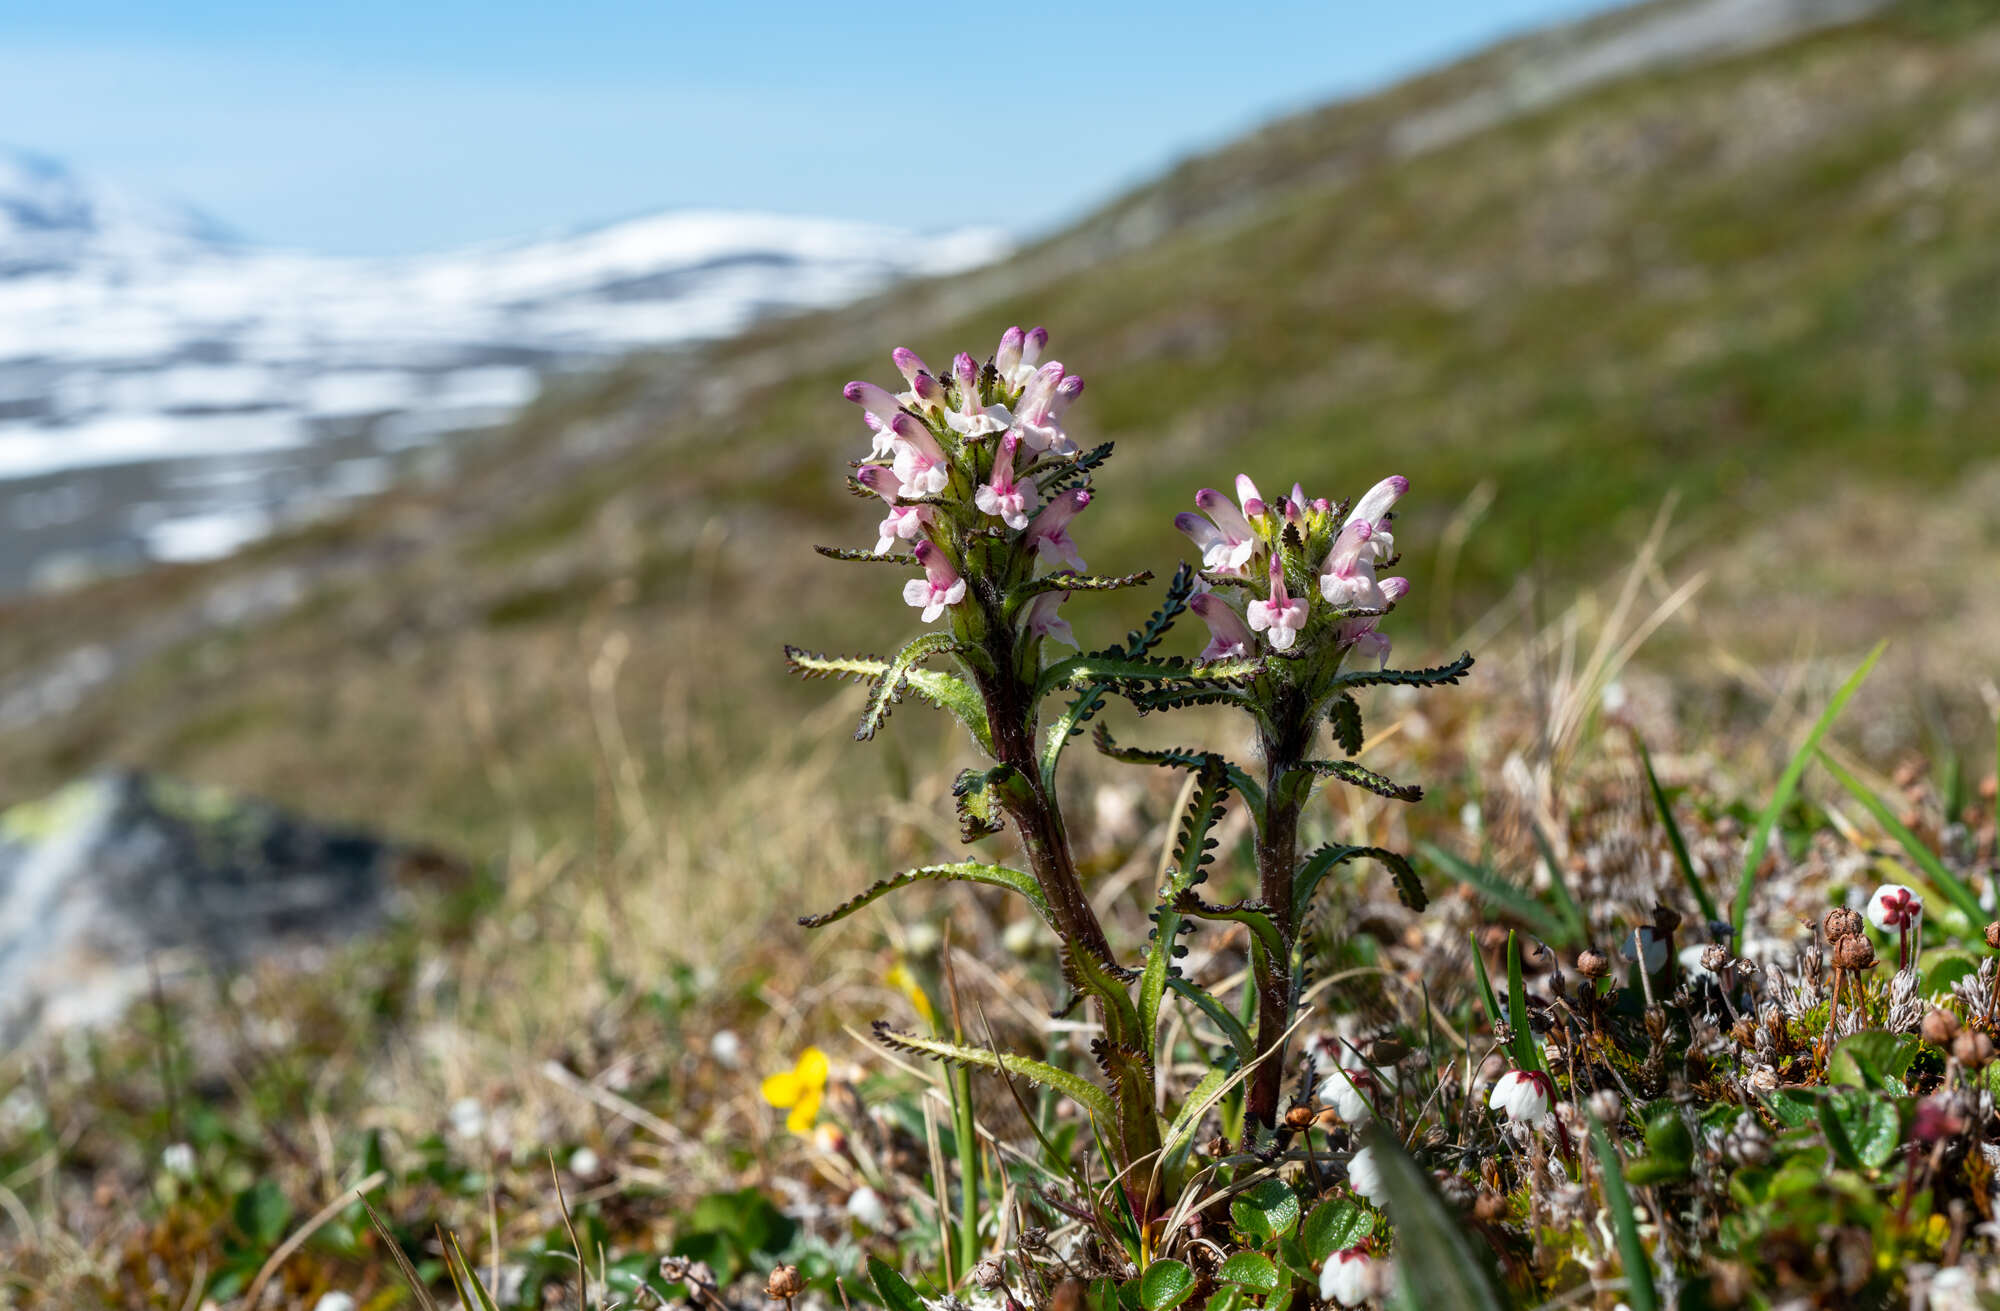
376 127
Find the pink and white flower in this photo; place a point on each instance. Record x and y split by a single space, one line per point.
1373 509
1048 532
939 587
1002 495
1228 635
1359 635
1894 908
920 464
1365 1177
1019 354
1282 616
1347 577
1226 539
881 410
1352 1278
1041 620
904 522
971 418
1038 414
1524 1095
926 393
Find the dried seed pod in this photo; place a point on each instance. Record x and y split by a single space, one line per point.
1841 923
990 1274
1298 1118
1714 957
1854 952
1940 1026
1993 935
1593 964
1972 1049
784 1283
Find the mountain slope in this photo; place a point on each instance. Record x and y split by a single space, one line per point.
1767 285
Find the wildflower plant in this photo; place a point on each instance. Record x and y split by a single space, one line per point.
979 477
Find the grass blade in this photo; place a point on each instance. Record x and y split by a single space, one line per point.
1954 888
1493 1012
1565 902
1526 1055
1501 894
1788 785
1443 1269
1710 911
1639 1291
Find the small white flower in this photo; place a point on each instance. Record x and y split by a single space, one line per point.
866 1206
583 1163
726 1049
1365 1177
178 1160
1894 908
335 1301
468 1118
1523 1094
1351 1278
1350 1092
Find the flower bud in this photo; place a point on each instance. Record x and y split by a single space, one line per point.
1524 1095
784 1283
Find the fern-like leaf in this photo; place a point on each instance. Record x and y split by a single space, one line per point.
1409 888
1347 771
1078 1089
1434 677
994 876
1077 472
868 557
1344 717
889 687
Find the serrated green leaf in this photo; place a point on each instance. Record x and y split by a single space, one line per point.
1079 1090
1166 1284
1358 775
1249 1270
1409 888
1268 1209
1432 677
1116 667
994 876
1788 783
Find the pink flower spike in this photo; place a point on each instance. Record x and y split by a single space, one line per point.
1042 401
904 522
925 393
1282 615
1374 507
972 418
1067 391
1347 579
1227 634
1001 495
909 364
1048 533
873 399
1041 619
939 587
920 461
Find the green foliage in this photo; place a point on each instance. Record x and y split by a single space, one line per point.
1165 1285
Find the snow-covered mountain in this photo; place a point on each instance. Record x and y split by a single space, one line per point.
138 331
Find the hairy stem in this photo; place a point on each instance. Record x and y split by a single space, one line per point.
1277 867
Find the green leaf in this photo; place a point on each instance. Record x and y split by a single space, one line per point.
1191 854
1066 726
1232 1028
1795 1108
1072 583
1669 1148
896 1292
994 876
463 1281
1493 1012
869 557
1788 783
1934 870
1443 1269
1527 1055
946 691
1639 1292
1115 667
980 796
1266 1210
1165 1284
1409 888
262 1213
1254 915
1344 718
1872 1060
1862 1129
1515 902
1249 1270
1079 1090
1682 860
1335 1226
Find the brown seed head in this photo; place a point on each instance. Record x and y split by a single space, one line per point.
1298 1117
1993 935
1592 963
1972 1049
784 1283
990 1274
1842 923
1940 1026
1854 952
1714 957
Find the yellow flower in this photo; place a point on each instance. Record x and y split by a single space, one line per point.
900 978
799 1090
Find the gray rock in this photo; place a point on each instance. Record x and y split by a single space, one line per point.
123 873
